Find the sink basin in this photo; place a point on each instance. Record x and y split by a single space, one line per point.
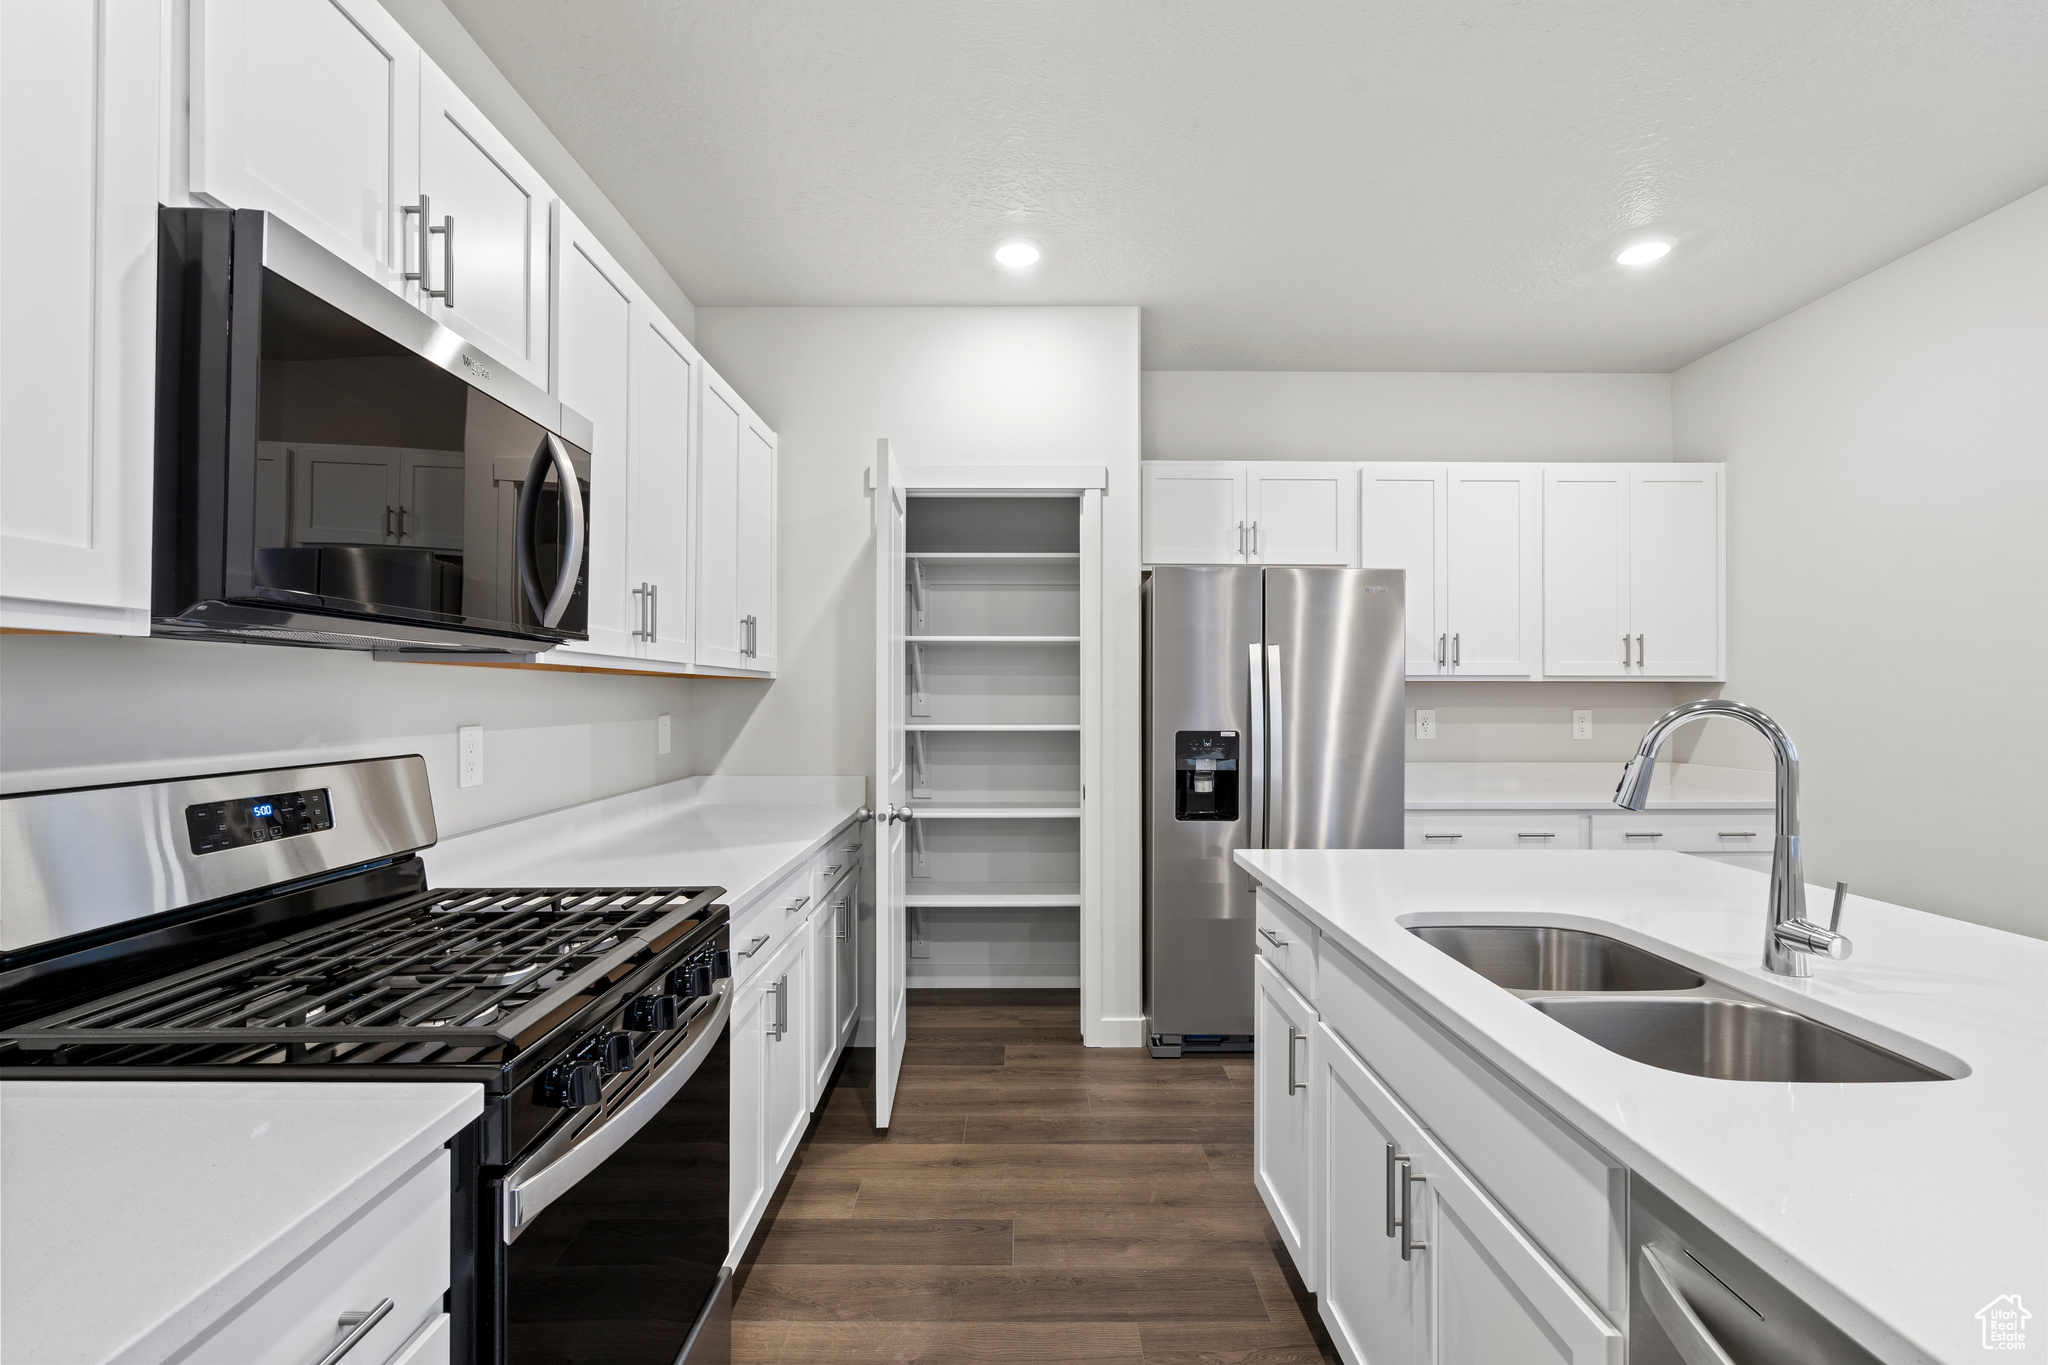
1536 958
1730 1040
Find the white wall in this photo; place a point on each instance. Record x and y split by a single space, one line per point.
1275 415
945 386
1888 511
84 710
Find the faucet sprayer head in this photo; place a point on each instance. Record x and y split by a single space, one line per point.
1634 790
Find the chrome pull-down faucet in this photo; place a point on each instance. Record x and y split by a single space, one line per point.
1789 937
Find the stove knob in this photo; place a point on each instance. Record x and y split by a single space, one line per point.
652 1013
615 1053
682 982
572 1086
721 964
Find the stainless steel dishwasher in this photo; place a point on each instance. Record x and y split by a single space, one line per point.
1694 1300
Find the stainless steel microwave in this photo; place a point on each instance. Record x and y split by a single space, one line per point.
335 468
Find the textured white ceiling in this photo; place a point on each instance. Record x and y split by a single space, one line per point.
1302 185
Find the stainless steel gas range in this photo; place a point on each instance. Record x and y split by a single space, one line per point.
277 925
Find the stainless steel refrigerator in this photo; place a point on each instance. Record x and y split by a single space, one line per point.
1273 719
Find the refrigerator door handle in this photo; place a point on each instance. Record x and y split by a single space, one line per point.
1276 742
1255 743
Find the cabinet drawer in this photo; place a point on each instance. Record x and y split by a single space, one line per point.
771 921
1685 831
1287 941
835 860
1570 1198
1531 831
429 1345
398 1249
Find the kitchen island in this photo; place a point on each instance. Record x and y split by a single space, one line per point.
1896 1210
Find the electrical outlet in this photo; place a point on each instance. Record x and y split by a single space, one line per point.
1582 725
662 743
1425 725
469 756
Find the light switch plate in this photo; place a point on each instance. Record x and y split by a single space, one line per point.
662 742
1425 724
1582 725
469 756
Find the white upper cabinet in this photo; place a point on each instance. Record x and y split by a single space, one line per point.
1495 567
487 269
735 534
592 302
1194 512
1404 523
310 109
1278 512
1301 513
1632 571
659 541
79 121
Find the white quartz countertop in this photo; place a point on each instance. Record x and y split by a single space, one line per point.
134 1214
1897 1210
740 833
1579 786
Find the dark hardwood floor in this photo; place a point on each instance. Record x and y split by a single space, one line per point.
1032 1201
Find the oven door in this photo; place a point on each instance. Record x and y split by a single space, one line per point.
333 464
615 1228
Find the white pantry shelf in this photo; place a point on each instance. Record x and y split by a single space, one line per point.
1013 810
992 639
989 895
993 557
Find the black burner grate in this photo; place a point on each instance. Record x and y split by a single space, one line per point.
445 977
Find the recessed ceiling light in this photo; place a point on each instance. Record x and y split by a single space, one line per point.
1642 253
1017 255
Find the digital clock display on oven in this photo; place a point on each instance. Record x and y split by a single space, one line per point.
266 819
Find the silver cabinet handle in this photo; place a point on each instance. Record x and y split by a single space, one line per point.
1273 938
1294 1036
1443 650
653 612
1646 834
389 513
1624 651
1639 651
1736 834
799 903
1240 538
355 1327
1682 1327
1539 834
854 847
755 946
1443 836
1409 1246
447 229
1393 1160
425 209
1255 537
831 871
639 632
781 1006
403 513
1457 653
752 627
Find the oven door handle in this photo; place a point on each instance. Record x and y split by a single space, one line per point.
546 1177
526 548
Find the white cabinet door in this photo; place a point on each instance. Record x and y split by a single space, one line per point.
310 109
846 957
1585 570
344 495
592 308
1302 513
1283 1114
1495 567
821 1013
784 985
1404 513
430 499
79 118
1373 1300
660 523
1674 569
756 576
497 253
751 1011
1194 512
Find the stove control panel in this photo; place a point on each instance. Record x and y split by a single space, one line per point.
257 820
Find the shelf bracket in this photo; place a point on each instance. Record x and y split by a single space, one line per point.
920 861
920 695
920 779
917 595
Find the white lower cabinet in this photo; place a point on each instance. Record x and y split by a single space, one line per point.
1283 1120
1413 1261
785 1067
835 978
751 1009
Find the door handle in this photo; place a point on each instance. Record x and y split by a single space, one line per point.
799 903
389 512
755 946
1294 1036
354 1327
1256 835
1639 651
1624 651
751 647
782 1006
404 513
1443 644
1457 653
1240 540
527 547
640 631
1275 767
653 612
1409 1246
1255 538
427 230
1273 938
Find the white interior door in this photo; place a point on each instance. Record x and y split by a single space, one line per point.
1403 515
498 251
721 639
1585 571
1496 534
1302 512
891 784
1194 512
592 364
1674 576
310 109
660 520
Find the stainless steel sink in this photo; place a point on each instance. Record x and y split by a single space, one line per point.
1729 1040
1538 958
